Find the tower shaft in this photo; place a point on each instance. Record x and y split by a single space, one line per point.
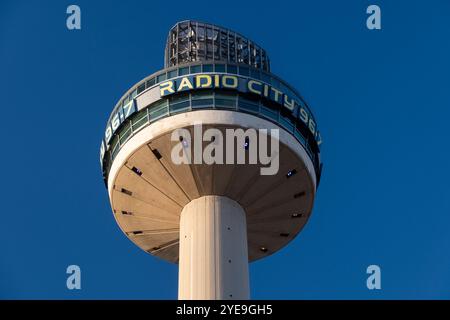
213 257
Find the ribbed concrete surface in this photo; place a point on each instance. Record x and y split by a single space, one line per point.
148 191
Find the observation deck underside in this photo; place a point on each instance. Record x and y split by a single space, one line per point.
148 191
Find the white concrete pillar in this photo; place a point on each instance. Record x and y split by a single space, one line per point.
213 250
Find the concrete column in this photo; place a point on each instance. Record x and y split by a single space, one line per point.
213 250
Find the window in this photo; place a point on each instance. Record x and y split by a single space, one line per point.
209 43
115 151
216 41
202 99
139 119
231 69
239 49
299 136
257 63
180 106
245 52
161 77
125 133
275 82
158 110
114 141
196 69
232 47
201 47
223 100
266 78
265 64
254 73
179 103
141 88
269 111
179 98
150 82
224 45
252 54
209 33
201 32
115 146
286 122
208 68
220 68
309 151
244 71
202 103
172 74
248 105
183 71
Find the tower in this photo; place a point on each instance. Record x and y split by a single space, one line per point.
211 217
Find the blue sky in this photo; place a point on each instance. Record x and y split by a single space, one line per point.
381 99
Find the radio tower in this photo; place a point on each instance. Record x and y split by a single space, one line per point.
211 219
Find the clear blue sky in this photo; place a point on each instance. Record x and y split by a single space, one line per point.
381 99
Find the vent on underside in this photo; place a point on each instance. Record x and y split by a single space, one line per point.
291 173
300 194
128 192
157 154
137 171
